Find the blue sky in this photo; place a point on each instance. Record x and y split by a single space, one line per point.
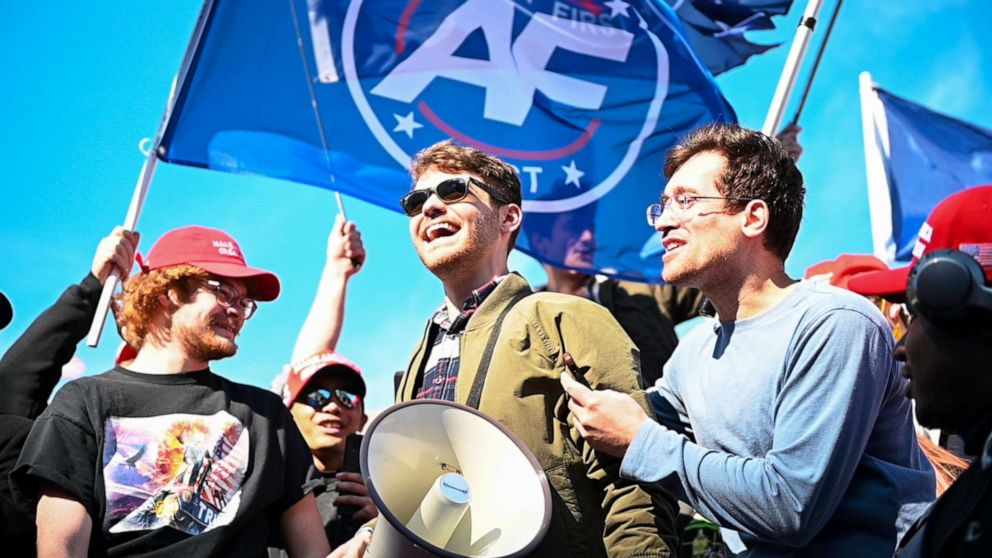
84 84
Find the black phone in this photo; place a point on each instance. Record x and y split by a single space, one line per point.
352 451
352 464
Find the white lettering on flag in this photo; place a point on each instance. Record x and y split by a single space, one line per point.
514 72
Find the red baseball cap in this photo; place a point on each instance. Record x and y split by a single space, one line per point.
839 271
213 251
962 221
305 370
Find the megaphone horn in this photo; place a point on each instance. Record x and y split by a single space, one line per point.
450 481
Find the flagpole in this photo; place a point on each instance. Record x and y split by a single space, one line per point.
874 126
787 81
816 63
148 171
130 222
314 104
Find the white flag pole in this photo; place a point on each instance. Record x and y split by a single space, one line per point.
130 222
875 128
147 171
787 81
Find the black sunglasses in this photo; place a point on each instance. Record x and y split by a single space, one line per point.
319 398
449 191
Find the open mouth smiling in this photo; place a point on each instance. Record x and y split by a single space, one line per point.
440 230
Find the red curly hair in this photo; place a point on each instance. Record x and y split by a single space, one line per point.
137 304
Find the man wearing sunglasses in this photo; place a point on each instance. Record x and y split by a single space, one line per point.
164 455
783 421
326 393
495 345
947 353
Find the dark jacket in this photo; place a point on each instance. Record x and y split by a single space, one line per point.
594 512
29 372
959 524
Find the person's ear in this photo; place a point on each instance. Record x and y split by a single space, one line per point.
512 218
755 218
361 423
170 300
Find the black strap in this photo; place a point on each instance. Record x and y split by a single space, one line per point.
475 396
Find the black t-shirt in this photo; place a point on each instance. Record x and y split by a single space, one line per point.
179 464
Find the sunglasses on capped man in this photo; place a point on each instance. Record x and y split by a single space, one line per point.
448 191
319 398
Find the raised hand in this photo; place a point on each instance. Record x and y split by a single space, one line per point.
115 252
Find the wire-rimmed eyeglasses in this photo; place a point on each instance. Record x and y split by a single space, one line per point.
683 202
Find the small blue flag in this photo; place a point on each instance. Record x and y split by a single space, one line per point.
716 28
583 97
915 158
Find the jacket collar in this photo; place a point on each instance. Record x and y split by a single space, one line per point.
508 288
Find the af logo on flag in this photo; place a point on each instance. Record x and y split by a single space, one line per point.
582 97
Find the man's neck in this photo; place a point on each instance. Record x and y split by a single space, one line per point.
330 459
165 359
567 281
458 289
745 296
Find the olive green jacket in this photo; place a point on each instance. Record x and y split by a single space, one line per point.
594 512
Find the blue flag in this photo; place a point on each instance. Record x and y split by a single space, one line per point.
915 158
716 28
583 97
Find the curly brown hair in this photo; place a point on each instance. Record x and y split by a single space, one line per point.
139 300
758 167
450 156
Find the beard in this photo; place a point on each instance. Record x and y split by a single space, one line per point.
202 343
465 257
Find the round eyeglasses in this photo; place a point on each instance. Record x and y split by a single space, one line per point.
229 296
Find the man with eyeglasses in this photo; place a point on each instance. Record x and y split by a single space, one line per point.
783 421
165 456
497 346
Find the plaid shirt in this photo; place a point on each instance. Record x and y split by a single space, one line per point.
441 366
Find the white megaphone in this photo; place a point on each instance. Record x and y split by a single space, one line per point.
450 481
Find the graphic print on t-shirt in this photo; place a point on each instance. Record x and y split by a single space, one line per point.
180 470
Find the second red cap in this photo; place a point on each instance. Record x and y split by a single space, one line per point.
962 221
